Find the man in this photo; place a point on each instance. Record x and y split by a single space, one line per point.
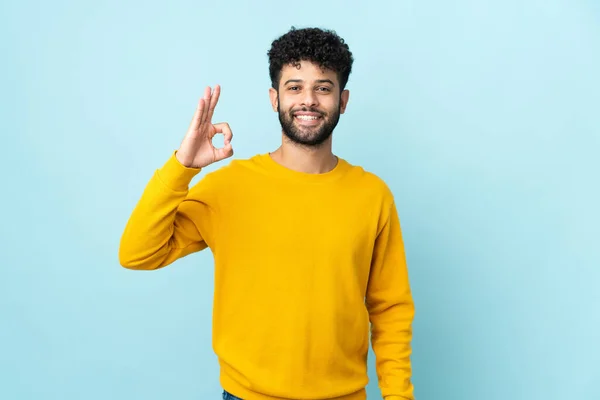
308 250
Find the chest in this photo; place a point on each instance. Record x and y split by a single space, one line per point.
302 223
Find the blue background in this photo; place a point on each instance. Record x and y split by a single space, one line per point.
483 117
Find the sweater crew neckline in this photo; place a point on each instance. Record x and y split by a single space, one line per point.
282 171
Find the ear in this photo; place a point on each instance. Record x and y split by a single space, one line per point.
344 100
273 97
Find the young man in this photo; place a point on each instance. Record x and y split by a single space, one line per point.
308 250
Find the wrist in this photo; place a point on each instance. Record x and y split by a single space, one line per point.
183 159
175 175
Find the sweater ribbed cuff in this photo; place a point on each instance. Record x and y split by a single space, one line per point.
175 175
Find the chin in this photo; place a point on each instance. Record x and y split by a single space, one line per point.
313 135
310 140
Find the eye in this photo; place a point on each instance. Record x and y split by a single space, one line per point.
324 89
294 88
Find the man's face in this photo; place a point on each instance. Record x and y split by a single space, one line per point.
309 103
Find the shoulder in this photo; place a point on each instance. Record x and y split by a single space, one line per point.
227 174
235 168
368 181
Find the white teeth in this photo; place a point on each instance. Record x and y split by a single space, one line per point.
306 117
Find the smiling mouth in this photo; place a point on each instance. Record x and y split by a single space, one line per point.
308 120
308 117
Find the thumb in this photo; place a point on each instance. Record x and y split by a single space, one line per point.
224 152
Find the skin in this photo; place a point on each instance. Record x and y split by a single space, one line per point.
196 149
306 88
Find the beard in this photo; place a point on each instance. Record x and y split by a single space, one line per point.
308 136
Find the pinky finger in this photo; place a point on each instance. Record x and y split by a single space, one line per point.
195 123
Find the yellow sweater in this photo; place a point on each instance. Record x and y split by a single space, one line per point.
306 267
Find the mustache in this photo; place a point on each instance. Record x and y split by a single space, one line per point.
307 109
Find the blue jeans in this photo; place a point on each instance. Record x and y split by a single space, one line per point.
229 396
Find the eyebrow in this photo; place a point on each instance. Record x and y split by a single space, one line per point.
318 81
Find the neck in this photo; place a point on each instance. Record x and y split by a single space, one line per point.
308 159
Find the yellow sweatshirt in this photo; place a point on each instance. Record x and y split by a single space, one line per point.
308 267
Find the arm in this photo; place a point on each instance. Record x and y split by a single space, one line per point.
171 221
167 223
391 310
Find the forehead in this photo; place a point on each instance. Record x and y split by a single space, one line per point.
307 71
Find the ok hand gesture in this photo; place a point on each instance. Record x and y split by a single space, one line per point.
197 149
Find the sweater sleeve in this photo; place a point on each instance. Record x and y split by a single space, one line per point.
391 310
170 221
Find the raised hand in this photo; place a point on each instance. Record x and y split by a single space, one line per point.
197 149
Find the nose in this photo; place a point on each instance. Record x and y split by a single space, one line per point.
309 99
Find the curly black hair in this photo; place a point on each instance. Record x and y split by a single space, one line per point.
320 46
